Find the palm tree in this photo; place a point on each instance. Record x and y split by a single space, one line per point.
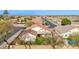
5 14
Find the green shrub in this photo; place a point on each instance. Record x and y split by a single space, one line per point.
41 41
65 21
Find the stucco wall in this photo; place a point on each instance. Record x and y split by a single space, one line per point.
65 35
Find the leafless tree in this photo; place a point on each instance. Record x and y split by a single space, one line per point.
56 39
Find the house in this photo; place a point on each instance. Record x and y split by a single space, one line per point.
37 28
29 35
66 30
41 29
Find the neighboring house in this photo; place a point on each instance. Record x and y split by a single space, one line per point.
75 24
67 30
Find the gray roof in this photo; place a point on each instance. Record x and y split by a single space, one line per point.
64 29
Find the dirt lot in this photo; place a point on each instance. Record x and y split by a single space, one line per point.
34 47
41 47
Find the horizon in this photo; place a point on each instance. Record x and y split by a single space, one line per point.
41 12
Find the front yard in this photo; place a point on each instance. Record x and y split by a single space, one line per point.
73 40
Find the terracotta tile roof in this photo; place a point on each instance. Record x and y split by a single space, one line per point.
31 32
64 29
29 29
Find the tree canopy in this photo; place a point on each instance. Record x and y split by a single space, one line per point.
5 12
65 21
4 26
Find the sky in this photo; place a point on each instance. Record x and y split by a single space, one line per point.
42 12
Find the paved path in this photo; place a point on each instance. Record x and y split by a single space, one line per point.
11 37
51 24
